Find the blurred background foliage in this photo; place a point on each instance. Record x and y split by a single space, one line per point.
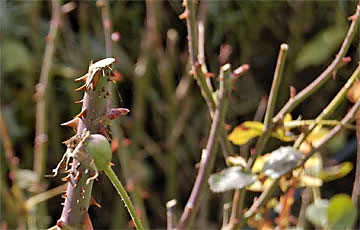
169 121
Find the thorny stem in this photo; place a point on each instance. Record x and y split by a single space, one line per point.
96 102
41 91
122 192
324 76
209 153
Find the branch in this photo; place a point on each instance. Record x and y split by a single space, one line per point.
41 136
208 155
337 63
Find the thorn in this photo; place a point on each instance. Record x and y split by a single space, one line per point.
93 202
111 164
184 15
66 178
63 195
78 175
82 78
81 114
69 210
72 123
83 87
80 101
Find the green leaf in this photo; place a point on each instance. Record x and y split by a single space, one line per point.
245 132
321 48
281 161
341 212
316 213
335 172
231 178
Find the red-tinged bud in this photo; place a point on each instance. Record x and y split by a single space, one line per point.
82 78
81 114
114 144
292 91
115 36
72 124
126 142
241 70
116 76
346 59
209 75
117 112
334 74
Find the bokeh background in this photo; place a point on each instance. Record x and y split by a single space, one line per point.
169 122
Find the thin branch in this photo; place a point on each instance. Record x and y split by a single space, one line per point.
330 108
356 189
337 63
349 117
41 136
208 156
275 85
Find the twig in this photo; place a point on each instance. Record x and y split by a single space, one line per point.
41 91
356 189
209 153
261 142
337 63
275 85
170 205
330 108
349 117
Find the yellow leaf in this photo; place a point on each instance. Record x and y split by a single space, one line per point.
336 172
259 163
245 132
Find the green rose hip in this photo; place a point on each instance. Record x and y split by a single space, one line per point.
100 150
